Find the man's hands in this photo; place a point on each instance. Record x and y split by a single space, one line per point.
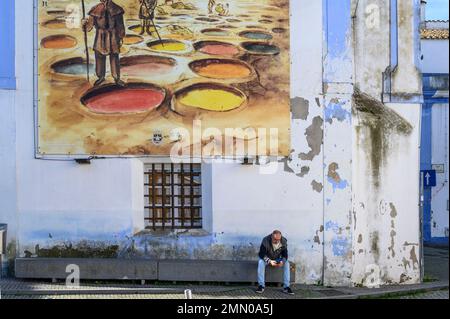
84 23
87 24
273 263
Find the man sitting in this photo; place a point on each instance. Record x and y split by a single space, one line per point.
274 253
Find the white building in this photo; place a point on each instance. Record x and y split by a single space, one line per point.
346 198
435 131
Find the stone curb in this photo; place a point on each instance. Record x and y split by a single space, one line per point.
344 293
390 291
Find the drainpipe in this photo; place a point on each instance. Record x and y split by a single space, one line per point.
393 48
423 11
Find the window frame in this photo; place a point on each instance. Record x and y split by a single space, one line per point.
176 214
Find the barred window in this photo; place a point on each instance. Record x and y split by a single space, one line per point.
173 196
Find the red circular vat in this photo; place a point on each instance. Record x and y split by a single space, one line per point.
133 98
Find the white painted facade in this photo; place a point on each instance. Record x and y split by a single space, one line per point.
435 66
435 56
322 212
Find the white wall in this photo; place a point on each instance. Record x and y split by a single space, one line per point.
8 164
435 56
439 155
62 198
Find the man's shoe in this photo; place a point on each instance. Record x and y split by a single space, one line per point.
288 291
120 82
260 290
99 81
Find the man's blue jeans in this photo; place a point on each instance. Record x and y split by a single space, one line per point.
262 273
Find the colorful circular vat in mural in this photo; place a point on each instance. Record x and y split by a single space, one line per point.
146 65
56 11
279 30
260 48
55 24
205 19
168 46
227 26
133 98
255 35
215 32
132 39
221 69
72 66
208 97
59 41
138 28
216 48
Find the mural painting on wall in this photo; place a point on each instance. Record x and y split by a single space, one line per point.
112 73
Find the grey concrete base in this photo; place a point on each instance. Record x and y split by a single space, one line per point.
101 268
139 269
217 271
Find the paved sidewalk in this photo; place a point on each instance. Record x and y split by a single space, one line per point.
435 287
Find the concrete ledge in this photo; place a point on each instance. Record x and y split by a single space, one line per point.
217 271
101 268
142 269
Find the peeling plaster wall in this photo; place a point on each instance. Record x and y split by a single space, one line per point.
407 78
371 40
338 88
386 230
336 197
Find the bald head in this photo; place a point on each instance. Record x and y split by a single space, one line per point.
276 236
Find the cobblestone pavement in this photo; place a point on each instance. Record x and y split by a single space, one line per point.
440 294
13 289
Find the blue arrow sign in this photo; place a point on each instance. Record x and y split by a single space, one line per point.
429 178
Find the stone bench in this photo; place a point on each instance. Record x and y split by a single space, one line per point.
147 269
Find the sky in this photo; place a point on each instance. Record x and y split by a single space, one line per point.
437 10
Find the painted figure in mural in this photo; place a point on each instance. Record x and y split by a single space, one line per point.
274 253
211 4
107 18
147 14
222 10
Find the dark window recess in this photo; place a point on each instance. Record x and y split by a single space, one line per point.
173 196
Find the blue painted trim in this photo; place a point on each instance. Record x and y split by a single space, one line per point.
434 74
431 89
425 164
7 45
440 241
436 100
394 34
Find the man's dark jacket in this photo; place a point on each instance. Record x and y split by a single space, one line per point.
267 253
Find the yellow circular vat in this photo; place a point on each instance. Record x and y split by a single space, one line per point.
167 46
213 97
